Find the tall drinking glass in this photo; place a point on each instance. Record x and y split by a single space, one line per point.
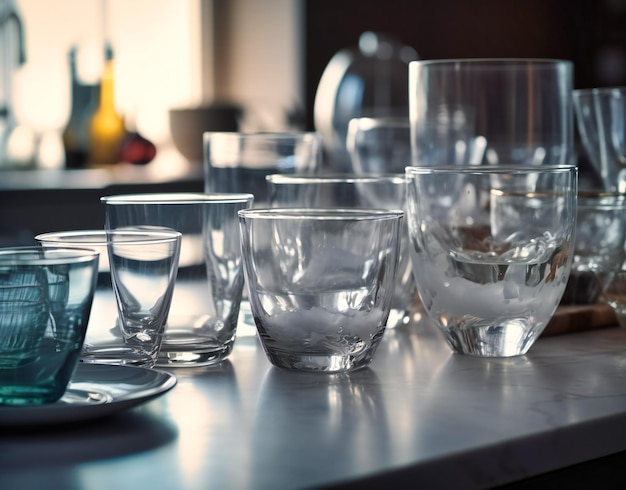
341 191
202 321
491 111
239 162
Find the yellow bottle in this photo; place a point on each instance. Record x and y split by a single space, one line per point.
106 129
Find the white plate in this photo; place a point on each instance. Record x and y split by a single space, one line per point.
95 390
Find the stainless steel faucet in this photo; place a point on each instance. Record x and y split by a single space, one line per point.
12 15
9 16
12 55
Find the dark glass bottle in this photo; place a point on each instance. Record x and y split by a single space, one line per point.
84 98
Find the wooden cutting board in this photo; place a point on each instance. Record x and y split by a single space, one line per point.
575 318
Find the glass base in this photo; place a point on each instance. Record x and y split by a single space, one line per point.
398 317
512 338
175 356
28 395
118 355
321 363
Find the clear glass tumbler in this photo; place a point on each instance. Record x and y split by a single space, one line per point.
137 284
320 283
202 322
495 111
492 249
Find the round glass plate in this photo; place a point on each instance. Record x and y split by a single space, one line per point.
95 390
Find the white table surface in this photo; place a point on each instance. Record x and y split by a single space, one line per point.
419 417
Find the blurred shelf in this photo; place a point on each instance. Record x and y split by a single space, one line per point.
167 167
36 201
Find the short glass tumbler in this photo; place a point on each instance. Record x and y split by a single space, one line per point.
45 304
365 191
142 266
492 248
202 322
320 283
143 280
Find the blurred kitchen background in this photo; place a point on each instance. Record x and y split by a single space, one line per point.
248 64
167 54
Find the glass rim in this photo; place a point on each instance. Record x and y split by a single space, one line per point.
175 198
38 255
321 214
372 122
599 194
128 236
601 200
337 178
262 135
490 63
490 169
589 92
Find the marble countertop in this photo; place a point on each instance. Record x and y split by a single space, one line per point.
419 416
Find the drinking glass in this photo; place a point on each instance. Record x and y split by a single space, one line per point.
320 283
491 111
613 285
599 244
45 303
492 249
142 268
601 120
355 192
368 80
239 162
202 323
379 145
